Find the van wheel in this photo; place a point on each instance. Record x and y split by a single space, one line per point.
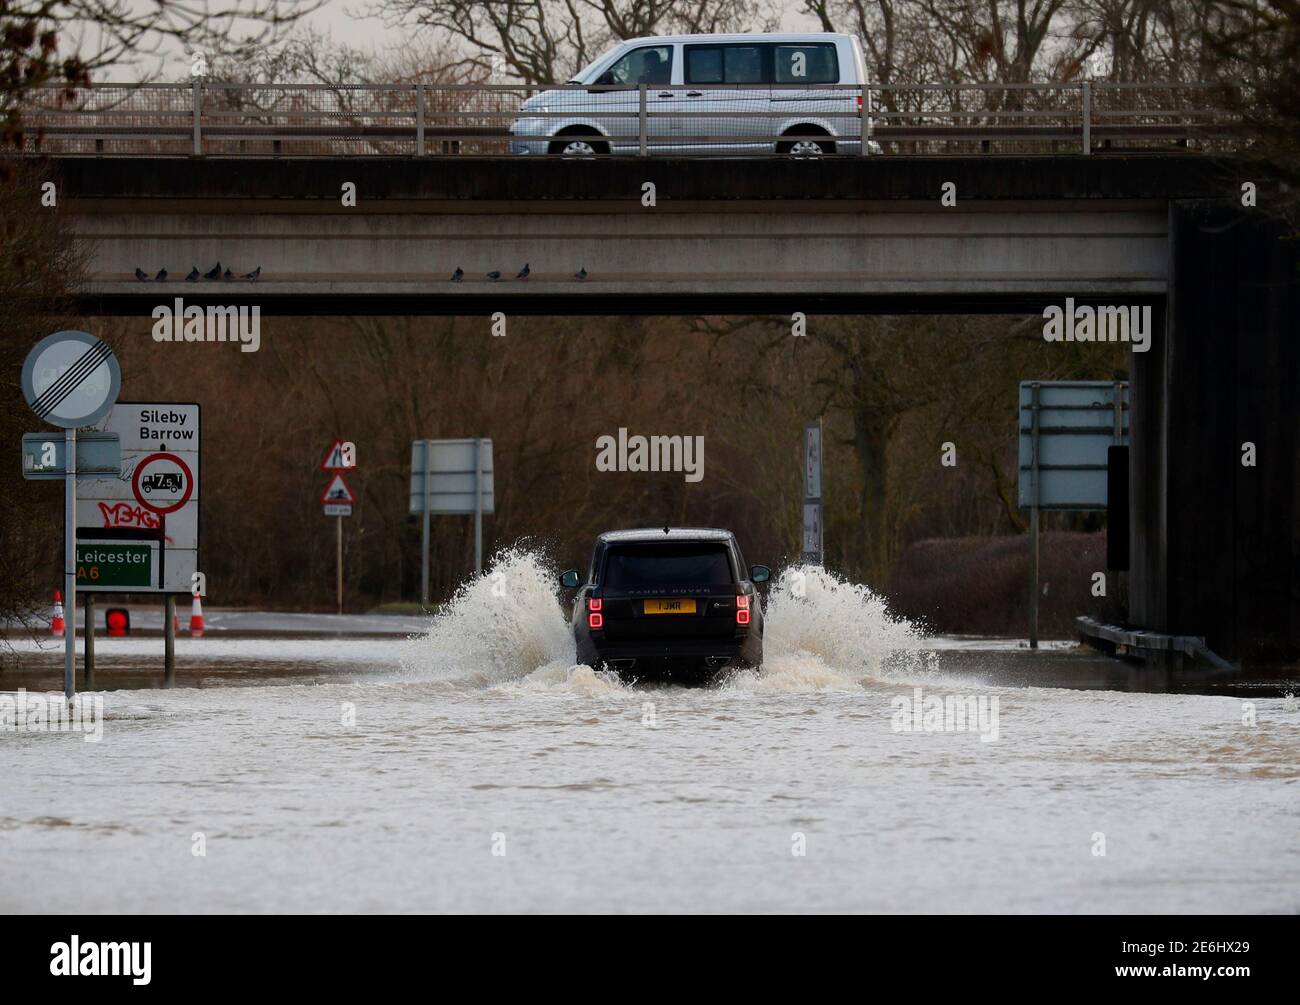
578 145
809 146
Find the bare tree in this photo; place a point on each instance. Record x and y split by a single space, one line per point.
1252 49
38 264
547 41
66 41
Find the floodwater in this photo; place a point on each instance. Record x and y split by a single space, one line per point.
475 768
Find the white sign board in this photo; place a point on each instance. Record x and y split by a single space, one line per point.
156 496
1077 422
450 465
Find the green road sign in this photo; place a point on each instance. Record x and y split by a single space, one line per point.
114 565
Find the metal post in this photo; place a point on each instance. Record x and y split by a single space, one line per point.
419 120
1120 591
88 660
478 506
197 88
820 511
338 555
424 546
1033 517
169 640
1087 117
70 561
641 118
865 130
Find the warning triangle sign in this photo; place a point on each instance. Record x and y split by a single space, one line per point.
337 458
338 492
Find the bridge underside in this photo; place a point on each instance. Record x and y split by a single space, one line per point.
833 236
806 258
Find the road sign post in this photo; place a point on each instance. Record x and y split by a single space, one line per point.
88 660
337 502
451 476
70 379
424 537
1035 394
478 507
169 639
1066 429
70 562
814 549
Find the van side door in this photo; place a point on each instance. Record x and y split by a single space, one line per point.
727 89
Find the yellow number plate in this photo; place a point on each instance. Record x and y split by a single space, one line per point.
669 607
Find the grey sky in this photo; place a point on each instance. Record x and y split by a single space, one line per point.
345 21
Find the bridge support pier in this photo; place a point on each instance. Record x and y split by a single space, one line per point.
1215 464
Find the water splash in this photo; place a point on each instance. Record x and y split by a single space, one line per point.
500 626
826 633
507 627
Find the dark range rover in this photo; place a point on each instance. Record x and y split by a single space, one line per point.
675 603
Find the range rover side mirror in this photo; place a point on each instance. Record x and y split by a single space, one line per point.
760 573
570 580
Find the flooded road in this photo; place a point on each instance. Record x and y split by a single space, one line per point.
475 768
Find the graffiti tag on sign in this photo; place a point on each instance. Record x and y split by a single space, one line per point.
125 515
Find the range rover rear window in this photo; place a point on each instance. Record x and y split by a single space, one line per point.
642 566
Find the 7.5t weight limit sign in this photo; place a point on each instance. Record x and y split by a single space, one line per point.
162 483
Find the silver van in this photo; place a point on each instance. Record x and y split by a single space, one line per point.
796 94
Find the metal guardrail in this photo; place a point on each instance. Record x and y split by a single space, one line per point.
206 119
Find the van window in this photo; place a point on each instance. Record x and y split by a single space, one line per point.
724 64
807 64
651 64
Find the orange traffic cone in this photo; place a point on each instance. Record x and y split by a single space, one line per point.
56 620
196 618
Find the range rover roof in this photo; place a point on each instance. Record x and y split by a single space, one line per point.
647 535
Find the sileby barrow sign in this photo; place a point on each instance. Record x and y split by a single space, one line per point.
151 506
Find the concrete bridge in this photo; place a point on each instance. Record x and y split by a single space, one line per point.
1215 544
810 235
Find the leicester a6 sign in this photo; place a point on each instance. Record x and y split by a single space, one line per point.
154 501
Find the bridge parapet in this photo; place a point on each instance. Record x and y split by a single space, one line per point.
435 120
